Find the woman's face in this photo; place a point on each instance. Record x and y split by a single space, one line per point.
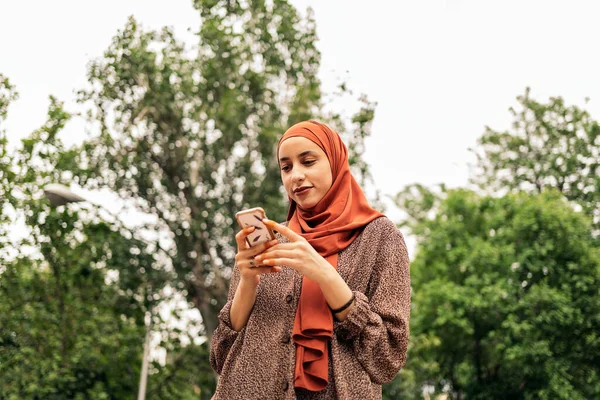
305 171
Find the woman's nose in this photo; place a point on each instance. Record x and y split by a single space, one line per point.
297 175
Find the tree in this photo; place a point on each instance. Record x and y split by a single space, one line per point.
505 298
188 134
63 329
7 95
551 145
76 289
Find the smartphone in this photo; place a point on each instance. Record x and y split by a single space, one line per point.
253 217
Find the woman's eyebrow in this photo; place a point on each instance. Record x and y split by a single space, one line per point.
304 153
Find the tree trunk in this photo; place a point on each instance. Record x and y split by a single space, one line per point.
208 312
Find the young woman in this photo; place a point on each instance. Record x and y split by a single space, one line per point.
322 312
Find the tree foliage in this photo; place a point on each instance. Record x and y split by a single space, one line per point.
62 327
505 298
505 288
76 289
550 145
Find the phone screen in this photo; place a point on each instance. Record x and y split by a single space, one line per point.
254 218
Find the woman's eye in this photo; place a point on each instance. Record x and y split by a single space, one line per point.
309 162
285 168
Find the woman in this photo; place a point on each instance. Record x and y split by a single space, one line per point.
323 311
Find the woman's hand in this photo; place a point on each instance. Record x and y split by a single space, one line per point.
301 256
298 254
250 269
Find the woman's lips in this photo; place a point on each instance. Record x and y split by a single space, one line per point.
302 191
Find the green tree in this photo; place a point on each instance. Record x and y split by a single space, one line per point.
62 328
7 95
186 375
505 297
188 132
550 145
76 289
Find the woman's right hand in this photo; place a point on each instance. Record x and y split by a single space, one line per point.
249 271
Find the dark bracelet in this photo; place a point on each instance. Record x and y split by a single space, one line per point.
342 308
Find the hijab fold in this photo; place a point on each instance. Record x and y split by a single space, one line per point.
330 226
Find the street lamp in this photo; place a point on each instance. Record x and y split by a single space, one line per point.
59 195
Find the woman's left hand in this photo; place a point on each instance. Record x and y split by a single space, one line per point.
297 254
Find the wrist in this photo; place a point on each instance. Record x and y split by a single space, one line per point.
328 274
250 282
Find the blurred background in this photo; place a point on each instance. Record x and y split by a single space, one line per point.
132 131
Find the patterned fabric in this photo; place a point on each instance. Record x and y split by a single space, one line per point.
367 349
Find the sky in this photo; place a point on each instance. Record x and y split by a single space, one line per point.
439 70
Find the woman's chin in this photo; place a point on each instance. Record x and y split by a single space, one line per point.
306 205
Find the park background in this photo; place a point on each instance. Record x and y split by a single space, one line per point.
471 124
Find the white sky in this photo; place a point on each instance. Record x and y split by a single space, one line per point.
440 70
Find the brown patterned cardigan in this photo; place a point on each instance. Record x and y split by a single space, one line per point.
367 349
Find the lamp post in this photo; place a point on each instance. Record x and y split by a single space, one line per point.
59 195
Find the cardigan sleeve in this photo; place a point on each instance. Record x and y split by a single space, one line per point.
224 336
377 327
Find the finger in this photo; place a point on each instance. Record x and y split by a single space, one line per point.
266 270
290 262
253 251
249 264
275 253
284 230
284 246
240 237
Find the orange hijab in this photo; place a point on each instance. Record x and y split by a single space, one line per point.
329 227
